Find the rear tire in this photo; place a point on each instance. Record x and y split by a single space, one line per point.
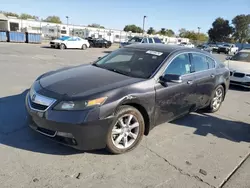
217 99
126 131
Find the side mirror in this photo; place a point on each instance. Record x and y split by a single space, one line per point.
170 78
228 58
99 57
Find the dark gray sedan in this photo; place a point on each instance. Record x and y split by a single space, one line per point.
113 102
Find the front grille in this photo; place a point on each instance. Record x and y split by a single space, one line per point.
240 83
38 106
52 43
239 75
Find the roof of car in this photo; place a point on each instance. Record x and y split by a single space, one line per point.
160 47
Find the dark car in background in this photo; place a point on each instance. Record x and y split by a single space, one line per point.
98 42
205 47
140 40
113 102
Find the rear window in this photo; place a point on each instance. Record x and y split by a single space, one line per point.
199 62
157 40
150 40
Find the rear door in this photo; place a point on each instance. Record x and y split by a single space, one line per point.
205 77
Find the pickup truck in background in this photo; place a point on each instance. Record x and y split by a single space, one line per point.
228 49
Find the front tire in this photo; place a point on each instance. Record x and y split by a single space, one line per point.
126 131
62 46
217 99
84 47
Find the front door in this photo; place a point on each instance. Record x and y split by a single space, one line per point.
175 99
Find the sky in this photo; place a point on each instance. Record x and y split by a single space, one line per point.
115 14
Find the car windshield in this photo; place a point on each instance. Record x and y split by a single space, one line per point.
135 39
226 45
63 38
241 56
132 62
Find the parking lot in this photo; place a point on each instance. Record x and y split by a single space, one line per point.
199 150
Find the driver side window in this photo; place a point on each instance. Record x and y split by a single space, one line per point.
180 65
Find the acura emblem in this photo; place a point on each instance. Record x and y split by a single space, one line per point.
33 97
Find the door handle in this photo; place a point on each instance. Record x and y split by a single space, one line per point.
189 82
212 75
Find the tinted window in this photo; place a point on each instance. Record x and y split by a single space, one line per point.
199 62
135 39
150 40
179 66
157 40
211 63
132 62
145 40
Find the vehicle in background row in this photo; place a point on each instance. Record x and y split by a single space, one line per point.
100 42
187 44
228 49
213 46
137 40
239 66
205 47
70 42
113 102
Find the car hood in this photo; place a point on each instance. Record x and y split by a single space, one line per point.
84 80
239 66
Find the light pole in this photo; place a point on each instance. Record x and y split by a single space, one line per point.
144 17
199 30
67 20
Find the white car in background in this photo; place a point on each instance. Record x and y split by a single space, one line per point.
239 66
69 42
187 44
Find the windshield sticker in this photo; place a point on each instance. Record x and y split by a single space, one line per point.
154 52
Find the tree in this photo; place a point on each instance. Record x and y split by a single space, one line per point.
170 32
162 31
133 28
151 31
9 14
27 16
182 32
242 30
53 19
220 31
96 26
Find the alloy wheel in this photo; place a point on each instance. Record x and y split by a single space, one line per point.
125 131
217 100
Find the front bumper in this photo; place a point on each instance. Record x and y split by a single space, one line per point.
83 129
244 81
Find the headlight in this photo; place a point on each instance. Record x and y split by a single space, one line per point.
79 105
248 75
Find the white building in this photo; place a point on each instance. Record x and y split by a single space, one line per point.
53 30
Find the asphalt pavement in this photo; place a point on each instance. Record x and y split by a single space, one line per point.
199 150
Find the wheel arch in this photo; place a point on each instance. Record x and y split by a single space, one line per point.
143 112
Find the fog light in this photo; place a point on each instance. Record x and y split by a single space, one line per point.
63 134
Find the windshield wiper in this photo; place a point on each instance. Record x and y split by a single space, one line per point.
117 71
